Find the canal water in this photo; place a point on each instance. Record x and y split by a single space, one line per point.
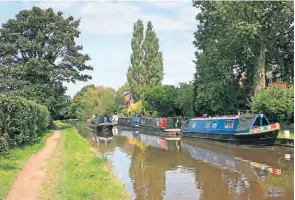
156 168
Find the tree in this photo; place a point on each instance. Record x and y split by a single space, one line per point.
232 38
153 58
134 74
263 24
162 99
184 99
38 50
97 100
146 69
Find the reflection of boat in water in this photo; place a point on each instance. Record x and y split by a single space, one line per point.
104 140
155 141
263 168
260 166
104 137
115 130
233 162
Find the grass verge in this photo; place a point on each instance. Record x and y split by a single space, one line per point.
75 172
281 132
12 163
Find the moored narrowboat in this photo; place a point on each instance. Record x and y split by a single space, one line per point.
253 129
167 126
124 121
103 124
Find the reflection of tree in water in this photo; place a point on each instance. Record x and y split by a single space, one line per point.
148 182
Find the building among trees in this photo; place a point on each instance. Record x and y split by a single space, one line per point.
128 99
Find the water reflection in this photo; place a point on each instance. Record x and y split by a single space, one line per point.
153 167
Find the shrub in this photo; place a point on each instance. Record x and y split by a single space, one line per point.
277 103
21 120
3 145
135 108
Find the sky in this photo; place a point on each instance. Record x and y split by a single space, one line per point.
106 31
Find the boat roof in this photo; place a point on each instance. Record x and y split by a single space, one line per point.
224 117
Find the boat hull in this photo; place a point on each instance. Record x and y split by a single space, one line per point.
256 139
106 128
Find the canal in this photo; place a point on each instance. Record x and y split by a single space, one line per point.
153 167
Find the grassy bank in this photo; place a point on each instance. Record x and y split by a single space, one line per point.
284 127
75 172
12 163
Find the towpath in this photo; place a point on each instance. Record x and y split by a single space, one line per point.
32 176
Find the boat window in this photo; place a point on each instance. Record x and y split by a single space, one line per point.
214 124
229 124
207 124
194 124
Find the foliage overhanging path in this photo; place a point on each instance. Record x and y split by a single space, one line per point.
32 176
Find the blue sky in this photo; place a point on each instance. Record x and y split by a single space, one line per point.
106 28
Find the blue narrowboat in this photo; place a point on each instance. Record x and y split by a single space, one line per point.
103 124
252 129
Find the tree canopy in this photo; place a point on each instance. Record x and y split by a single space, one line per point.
236 38
38 53
162 99
94 100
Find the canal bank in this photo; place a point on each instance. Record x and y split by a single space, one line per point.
152 167
76 172
13 163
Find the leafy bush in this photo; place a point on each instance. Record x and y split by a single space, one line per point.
277 103
3 145
21 120
135 108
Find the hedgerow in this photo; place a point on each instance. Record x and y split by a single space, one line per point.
21 121
277 103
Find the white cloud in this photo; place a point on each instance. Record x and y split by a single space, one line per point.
168 81
56 5
178 65
167 4
118 18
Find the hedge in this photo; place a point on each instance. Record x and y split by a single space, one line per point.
21 121
277 104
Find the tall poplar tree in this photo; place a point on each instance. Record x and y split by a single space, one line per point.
146 69
134 75
153 58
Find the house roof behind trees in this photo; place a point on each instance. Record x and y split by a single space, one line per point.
125 93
